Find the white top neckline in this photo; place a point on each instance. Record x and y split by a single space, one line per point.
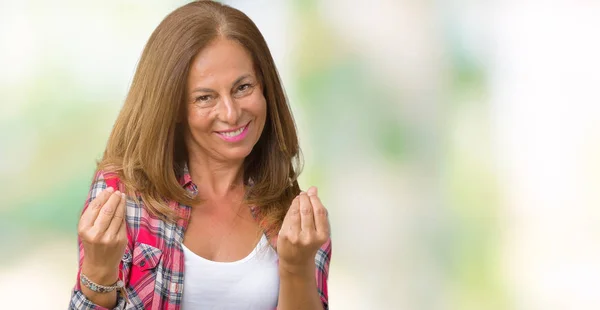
251 283
263 241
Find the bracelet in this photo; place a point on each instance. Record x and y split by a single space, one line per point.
100 288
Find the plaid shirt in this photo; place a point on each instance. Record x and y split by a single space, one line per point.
153 264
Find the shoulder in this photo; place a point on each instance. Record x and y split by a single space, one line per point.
143 226
104 179
136 212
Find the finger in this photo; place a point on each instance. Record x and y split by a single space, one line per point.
107 212
286 220
320 214
118 218
293 217
123 227
307 219
91 212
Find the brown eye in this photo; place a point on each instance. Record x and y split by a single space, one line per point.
202 98
244 87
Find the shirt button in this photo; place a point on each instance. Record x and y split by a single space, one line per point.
143 263
126 256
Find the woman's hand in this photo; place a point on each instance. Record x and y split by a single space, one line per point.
103 232
304 230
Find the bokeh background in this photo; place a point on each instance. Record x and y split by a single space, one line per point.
455 143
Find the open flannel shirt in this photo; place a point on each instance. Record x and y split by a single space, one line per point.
153 264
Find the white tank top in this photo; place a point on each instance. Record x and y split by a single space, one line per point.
249 283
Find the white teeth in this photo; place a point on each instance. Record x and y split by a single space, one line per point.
233 133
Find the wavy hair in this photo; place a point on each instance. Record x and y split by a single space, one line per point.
146 147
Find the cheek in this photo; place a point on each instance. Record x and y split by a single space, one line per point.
260 108
263 112
261 119
199 119
255 106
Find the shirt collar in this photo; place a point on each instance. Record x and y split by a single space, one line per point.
185 179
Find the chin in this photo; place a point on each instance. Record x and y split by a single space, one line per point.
237 153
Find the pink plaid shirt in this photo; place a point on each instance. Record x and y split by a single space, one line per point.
153 264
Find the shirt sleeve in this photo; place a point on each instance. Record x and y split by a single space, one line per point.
78 300
322 260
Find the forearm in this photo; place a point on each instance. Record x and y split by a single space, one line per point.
106 300
298 290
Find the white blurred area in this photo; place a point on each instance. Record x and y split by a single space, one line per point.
546 122
541 110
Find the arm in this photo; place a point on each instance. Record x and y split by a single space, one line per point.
303 279
102 277
102 240
298 291
83 298
308 287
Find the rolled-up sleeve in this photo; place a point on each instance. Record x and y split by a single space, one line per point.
80 302
322 260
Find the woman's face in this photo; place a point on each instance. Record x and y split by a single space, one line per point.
226 109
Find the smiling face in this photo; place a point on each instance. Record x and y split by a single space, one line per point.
226 108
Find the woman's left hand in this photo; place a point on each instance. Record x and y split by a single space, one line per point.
304 230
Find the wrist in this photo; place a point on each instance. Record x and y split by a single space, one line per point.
100 275
297 271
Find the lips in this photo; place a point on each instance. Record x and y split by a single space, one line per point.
234 134
234 131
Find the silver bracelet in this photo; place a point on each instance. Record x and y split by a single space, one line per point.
100 288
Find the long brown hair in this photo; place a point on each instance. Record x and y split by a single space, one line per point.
146 147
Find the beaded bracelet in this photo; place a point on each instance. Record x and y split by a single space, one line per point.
100 288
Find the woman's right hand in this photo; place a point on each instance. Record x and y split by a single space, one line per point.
103 233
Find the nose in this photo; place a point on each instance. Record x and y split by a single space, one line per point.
230 111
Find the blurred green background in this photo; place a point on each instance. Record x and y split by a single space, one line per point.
455 144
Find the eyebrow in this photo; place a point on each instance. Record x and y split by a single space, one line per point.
208 90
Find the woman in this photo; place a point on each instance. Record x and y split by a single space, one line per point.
195 203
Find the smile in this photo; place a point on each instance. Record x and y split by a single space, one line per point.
234 135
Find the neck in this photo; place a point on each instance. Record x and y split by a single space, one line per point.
215 178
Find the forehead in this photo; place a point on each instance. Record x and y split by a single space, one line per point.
222 60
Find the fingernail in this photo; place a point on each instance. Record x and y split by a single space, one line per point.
302 193
117 192
110 189
312 191
123 195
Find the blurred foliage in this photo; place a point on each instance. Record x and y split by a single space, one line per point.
63 122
